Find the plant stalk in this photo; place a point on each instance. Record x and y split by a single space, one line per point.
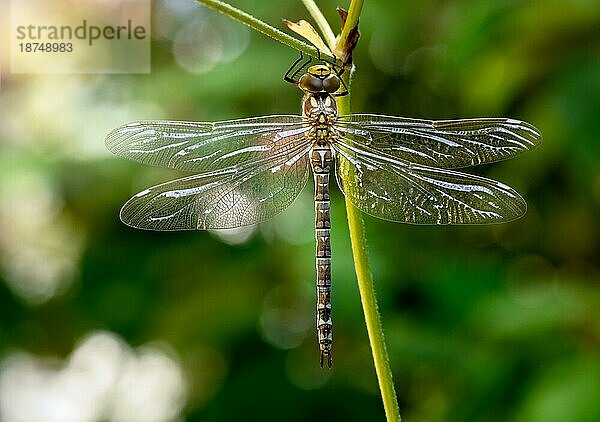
362 266
321 22
351 21
369 302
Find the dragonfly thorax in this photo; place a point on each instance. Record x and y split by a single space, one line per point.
321 112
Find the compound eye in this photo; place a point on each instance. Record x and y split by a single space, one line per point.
310 83
331 83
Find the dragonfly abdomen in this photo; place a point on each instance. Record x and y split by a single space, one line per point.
321 161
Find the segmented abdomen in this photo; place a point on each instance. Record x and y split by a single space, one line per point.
321 160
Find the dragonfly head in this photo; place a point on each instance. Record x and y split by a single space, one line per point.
319 78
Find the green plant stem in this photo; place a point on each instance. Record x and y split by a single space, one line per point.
264 28
351 22
321 22
369 300
362 267
371 311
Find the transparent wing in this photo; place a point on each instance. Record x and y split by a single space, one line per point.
234 197
440 143
395 190
203 147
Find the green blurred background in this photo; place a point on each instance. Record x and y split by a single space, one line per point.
491 323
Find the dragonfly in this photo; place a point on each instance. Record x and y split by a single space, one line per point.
394 168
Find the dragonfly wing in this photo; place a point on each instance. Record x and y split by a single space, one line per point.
204 147
228 198
394 190
440 143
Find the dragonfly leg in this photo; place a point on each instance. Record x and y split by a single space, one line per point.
292 77
339 74
287 76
